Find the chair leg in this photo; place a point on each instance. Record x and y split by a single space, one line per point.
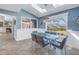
54 50
64 50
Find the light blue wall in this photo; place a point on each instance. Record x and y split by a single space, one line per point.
73 14
24 13
18 15
18 21
72 17
8 12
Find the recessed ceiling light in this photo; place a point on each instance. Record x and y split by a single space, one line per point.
35 6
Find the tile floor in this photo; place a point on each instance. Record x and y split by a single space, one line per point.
9 46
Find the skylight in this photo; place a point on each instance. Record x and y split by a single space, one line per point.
57 5
38 8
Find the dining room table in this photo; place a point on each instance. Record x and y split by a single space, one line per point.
57 41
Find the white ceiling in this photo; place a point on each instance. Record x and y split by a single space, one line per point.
49 7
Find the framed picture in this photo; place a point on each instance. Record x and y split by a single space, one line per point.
58 23
28 22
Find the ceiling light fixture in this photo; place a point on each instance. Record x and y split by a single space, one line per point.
35 6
